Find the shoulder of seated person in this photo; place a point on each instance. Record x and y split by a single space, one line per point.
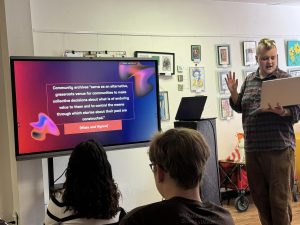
58 195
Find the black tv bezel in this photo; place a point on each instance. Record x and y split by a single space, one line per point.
63 152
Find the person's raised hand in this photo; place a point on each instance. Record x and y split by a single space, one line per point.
231 82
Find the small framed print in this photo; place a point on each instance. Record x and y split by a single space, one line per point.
226 112
223 55
179 69
69 53
222 82
180 78
164 106
294 72
249 53
197 79
180 87
196 53
166 61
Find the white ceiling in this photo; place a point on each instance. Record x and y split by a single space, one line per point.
267 2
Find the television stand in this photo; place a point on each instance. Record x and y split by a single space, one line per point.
52 186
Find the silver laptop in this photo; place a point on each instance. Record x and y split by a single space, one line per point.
285 91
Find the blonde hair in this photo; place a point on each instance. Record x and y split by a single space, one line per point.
265 44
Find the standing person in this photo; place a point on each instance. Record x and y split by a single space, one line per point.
269 138
89 195
178 158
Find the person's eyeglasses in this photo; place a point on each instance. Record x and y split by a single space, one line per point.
152 166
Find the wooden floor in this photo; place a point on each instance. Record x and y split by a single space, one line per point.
250 217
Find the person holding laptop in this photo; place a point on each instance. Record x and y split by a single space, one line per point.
269 138
178 157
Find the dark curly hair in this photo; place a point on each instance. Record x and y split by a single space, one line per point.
89 188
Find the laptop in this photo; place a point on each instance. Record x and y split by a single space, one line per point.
191 108
285 91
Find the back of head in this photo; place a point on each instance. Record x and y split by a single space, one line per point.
182 153
265 44
89 188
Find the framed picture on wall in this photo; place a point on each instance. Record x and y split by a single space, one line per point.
69 53
223 55
197 79
179 69
294 72
180 87
222 82
226 111
166 61
249 53
293 53
180 78
164 106
196 53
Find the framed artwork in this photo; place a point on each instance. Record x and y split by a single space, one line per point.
179 69
222 82
196 53
164 106
293 53
180 87
197 79
249 53
69 53
180 78
166 61
246 73
223 55
294 72
226 111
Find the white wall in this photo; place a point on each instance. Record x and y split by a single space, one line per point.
26 192
165 17
166 26
6 201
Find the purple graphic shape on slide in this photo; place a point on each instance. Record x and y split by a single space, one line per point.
43 126
141 76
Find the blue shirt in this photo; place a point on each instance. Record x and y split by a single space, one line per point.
264 131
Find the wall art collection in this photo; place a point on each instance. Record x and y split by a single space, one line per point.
195 75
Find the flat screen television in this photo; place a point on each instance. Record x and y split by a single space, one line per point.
60 102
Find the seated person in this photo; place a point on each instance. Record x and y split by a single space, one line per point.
89 195
2 222
178 158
